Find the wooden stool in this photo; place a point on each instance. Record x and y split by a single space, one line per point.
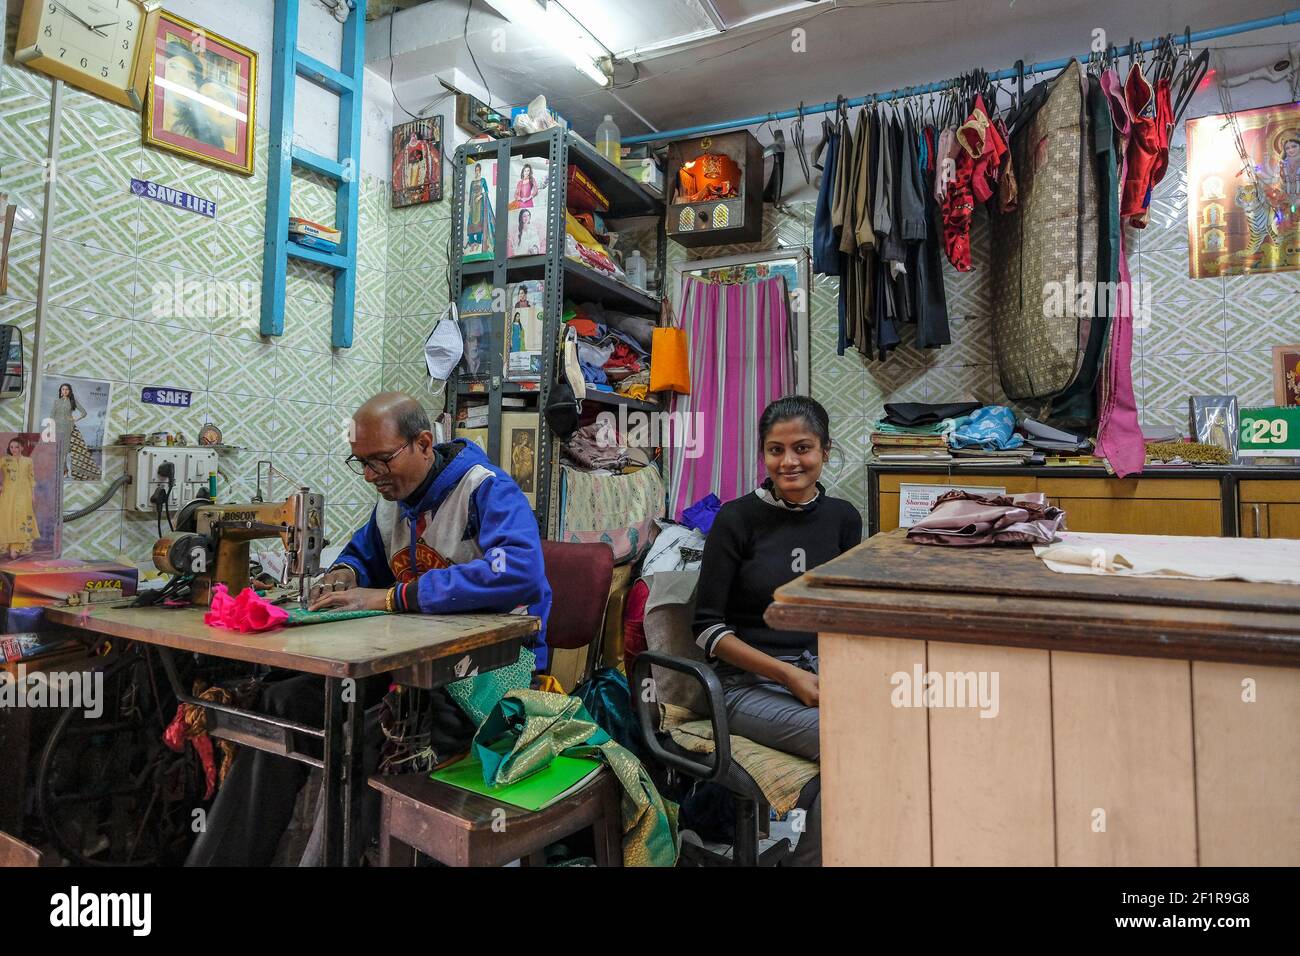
455 826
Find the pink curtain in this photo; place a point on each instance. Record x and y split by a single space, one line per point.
741 353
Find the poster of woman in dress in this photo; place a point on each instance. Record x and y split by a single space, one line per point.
78 408
1244 219
529 202
524 331
519 450
480 218
30 499
417 162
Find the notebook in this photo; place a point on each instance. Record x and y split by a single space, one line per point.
562 777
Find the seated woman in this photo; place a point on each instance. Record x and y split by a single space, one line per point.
758 543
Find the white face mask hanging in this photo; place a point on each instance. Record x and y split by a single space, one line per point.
444 347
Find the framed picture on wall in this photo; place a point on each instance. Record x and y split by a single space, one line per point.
31 497
202 90
519 451
1286 375
417 162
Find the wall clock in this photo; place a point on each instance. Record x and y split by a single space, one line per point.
103 46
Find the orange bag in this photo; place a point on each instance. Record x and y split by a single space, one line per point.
669 370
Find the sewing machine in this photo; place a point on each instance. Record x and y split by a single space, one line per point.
211 542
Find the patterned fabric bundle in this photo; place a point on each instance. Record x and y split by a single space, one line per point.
543 726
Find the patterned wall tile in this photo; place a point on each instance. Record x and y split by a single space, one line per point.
172 296
24 182
94 213
24 124
307 324
97 536
91 279
169 356
314 471
177 239
144 417
243 363
93 145
402 340
312 196
309 281
425 244
346 485
1182 327
87 344
24 265
177 172
372 292
1258 322
139 532
249 423
1167 380
304 376
1261 284
1166 273
367 337
355 381
1250 377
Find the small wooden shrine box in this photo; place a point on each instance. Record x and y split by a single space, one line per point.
713 162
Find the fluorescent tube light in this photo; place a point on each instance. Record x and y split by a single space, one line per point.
551 22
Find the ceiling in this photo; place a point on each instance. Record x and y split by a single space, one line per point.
678 70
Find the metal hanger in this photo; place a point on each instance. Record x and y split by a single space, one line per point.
801 146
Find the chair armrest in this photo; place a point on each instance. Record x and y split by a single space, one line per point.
647 718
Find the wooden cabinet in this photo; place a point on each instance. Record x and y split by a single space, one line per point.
1209 502
1269 509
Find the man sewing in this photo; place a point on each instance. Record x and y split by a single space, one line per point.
452 533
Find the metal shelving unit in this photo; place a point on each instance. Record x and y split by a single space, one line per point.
563 278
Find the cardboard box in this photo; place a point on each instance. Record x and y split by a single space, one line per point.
40 582
22 647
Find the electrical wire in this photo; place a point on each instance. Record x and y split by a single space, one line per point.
465 31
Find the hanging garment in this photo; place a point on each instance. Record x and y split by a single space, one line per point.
958 208
825 248
1008 190
1044 248
945 159
889 247
980 137
741 358
1077 405
1143 146
924 272
842 227
857 245
1163 130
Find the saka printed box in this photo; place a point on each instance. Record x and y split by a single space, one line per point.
38 582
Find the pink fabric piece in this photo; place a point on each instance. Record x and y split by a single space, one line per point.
249 612
964 519
1119 436
740 360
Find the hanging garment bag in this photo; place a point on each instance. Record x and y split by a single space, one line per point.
1047 245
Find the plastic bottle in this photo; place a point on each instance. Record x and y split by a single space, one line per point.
609 140
635 269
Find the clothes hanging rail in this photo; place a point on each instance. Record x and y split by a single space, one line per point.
1232 29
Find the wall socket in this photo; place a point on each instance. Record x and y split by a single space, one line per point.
190 468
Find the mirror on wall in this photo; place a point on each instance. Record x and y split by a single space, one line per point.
11 353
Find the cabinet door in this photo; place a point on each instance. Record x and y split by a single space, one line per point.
1180 506
1252 521
1283 520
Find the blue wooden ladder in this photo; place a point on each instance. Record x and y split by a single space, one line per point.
290 63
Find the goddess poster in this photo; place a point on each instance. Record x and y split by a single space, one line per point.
1244 216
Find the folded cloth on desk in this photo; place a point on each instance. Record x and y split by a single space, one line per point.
248 612
1261 560
962 518
920 413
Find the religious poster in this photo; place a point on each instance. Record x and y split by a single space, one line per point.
417 162
1243 213
524 331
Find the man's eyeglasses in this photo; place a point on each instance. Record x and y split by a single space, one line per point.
379 464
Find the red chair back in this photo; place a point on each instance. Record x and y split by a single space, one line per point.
579 575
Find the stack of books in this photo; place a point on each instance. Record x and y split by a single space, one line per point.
905 445
313 235
994 457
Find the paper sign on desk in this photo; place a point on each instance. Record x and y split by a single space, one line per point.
916 501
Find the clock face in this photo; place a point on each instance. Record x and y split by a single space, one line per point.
97 38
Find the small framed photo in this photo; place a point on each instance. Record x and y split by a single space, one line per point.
201 94
417 162
1286 375
519 451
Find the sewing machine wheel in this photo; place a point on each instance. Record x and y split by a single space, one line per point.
109 791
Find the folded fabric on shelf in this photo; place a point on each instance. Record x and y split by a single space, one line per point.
921 413
993 426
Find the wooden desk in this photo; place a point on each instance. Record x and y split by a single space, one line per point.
423 650
1145 722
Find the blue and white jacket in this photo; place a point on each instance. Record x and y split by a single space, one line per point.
471 544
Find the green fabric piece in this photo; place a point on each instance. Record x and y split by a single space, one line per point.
300 615
540 726
889 428
477 695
